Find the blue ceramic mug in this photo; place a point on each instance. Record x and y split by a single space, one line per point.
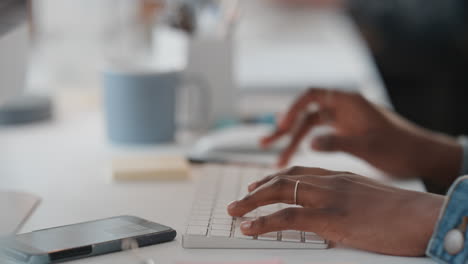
140 107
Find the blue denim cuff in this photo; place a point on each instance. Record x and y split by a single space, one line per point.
455 208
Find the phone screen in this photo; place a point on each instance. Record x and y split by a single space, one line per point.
80 235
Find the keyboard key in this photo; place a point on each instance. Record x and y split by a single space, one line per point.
238 220
269 236
291 236
313 238
220 207
252 214
221 227
217 187
202 212
238 234
222 221
237 231
222 216
200 218
197 231
220 210
220 233
198 223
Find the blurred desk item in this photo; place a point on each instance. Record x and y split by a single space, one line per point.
212 55
68 163
213 60
26 109
234 144
286 50
148 168
198 35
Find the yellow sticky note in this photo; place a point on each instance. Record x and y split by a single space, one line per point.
150 168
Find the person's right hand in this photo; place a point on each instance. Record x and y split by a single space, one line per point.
372 133
344 208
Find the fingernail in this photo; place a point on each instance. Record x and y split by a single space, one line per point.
232 205
246 225
252 185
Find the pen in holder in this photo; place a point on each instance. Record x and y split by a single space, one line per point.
198 34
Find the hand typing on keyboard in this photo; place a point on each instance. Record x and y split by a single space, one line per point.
372 133
210 225
344 208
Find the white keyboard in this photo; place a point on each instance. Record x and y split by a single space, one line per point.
210 226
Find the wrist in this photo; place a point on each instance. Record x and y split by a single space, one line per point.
430 212
437 159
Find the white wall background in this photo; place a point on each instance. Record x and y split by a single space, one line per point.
74 38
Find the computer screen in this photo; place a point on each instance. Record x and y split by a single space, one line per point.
13 47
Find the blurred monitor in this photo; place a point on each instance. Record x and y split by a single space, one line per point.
13 47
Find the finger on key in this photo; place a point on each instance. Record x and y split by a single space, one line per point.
268 178
302 219
288 122
310 121
293 171
266 141
286 219
271 193
301 104
279 190
280 132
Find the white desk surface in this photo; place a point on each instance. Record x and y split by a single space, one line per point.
281 49
66 162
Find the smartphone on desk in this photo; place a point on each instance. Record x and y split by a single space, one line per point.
83 240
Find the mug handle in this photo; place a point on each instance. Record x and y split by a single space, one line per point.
205 99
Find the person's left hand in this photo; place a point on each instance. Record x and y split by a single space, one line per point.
344 208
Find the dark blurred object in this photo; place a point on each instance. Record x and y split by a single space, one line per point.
25 109
185 18
421 49
13 13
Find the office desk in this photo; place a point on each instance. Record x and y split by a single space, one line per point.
67 163
284 50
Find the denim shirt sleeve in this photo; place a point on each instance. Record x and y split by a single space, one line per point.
455 208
